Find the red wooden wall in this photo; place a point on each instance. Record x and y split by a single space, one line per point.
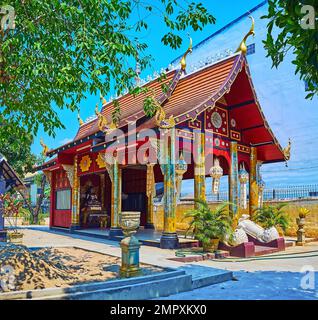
60 218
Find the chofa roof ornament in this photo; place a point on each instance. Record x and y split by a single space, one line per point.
80 121
45 148
286 151
103 124
242 47
183 60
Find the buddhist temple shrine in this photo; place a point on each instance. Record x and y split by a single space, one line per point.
208 123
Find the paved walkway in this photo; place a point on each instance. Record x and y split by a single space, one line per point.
257 279
261 285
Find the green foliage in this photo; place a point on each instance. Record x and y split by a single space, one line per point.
285 16
28 218
150 107
272 216
61 51
207 224
15 145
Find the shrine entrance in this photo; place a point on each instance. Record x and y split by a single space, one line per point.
134 198
95 200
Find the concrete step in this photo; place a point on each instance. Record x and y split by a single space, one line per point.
205 276
262 250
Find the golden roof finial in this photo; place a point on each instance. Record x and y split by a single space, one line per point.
286 150
183 60
45 147
103 124
103 100
80 121
242 47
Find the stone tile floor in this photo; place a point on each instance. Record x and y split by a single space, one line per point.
257 279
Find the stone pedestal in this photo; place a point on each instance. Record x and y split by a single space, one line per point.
130 257
301 238
169 241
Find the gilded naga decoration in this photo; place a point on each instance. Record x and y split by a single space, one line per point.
103 124
45 148
216 172
286 151
183 60
243 47
161 120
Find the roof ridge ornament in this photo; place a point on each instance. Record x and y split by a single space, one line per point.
45 148
160 116
242 47
286 150
80 121
189 50
103 124
102 99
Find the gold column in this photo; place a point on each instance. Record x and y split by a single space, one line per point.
233 179
116 196
199 167
75 196
253 201
169 238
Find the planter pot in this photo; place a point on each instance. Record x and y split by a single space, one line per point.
15 237
130 221
212 246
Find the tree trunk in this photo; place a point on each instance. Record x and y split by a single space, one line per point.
39 201
35 212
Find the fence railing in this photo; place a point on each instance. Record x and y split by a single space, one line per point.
272 194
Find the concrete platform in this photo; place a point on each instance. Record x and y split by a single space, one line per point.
154 286
147 237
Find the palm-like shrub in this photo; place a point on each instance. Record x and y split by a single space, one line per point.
208 224
272 216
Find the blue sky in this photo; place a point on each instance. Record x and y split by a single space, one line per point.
281 94
224 11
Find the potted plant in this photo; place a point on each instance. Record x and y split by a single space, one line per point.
270 217
209 226
11 208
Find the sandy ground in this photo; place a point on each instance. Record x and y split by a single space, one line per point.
257 279
60 267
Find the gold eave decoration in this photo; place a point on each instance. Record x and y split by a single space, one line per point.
242 47
103 124
160 118
183 60
45 148
286 151
85 163
100 161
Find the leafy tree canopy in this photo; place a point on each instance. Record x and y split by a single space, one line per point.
297 32
60 51
16 147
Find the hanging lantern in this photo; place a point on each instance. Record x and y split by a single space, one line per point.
181 169
243 177
260 184
261 187
216 172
